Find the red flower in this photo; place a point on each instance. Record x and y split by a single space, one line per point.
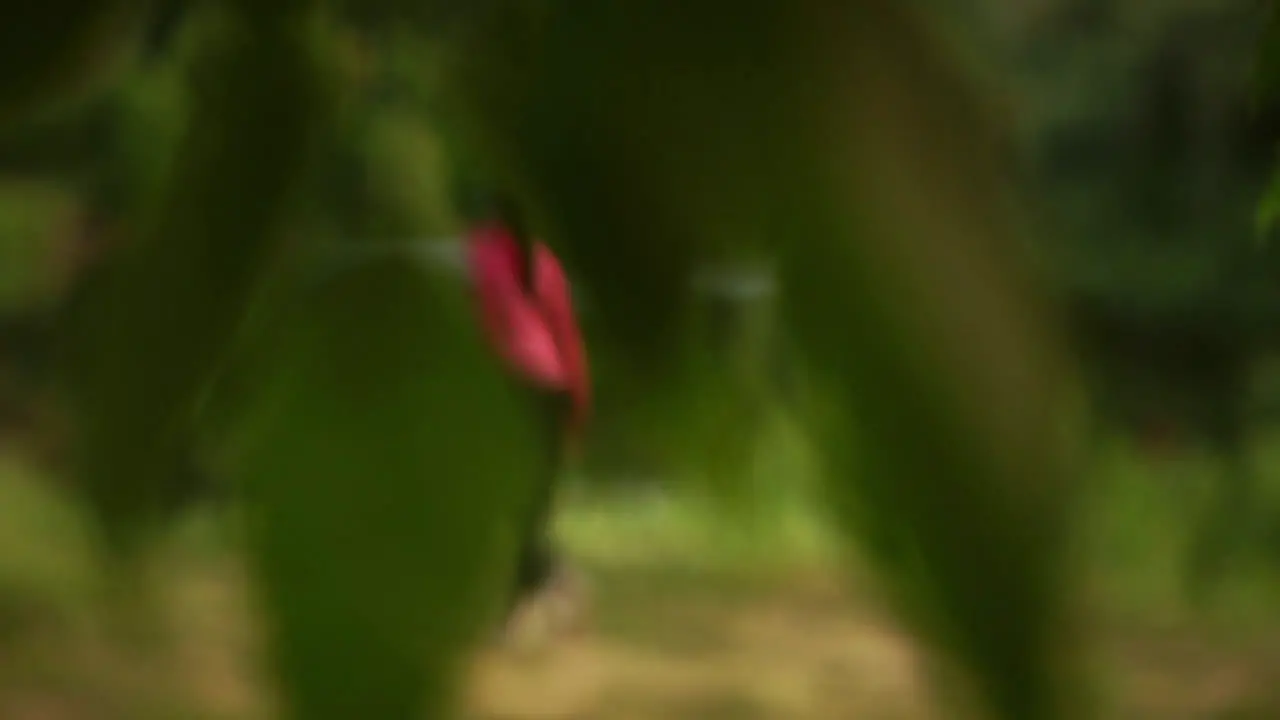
534 329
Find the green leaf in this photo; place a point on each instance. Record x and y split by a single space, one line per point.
948 451
384 462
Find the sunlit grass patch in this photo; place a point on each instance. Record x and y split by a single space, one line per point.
692 531
765 519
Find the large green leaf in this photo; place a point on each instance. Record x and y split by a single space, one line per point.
385 462
909 297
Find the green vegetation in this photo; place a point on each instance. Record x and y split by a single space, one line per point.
909 380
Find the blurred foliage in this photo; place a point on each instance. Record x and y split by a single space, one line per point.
45 559
1267 90
1147 148
168 307
58 52
846 144
668 178
28 269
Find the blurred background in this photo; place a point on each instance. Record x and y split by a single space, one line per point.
1144 148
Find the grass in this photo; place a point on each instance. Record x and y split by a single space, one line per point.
1137 518
687 530
765 520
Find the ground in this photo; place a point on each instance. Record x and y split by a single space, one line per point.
682 646
663 644
679 631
